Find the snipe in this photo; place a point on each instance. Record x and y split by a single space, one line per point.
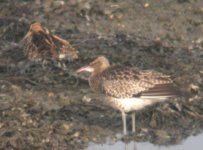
40 44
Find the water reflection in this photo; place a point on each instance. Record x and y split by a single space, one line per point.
193 142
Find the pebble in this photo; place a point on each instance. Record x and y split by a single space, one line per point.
146 5
194 87
86 99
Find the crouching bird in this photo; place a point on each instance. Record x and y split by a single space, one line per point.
40 44
128 89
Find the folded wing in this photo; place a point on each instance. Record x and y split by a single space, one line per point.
124 82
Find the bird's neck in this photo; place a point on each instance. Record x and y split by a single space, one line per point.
98 71
95 78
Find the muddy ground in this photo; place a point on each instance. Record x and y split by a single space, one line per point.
49 108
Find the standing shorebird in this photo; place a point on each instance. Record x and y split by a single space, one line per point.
128 89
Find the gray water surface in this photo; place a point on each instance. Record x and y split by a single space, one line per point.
192 142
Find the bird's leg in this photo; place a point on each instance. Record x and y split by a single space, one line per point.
124 122
133 122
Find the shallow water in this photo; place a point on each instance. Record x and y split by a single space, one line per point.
192 142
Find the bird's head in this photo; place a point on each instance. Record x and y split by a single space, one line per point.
96 66
37 27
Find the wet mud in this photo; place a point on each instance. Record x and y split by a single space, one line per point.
44 106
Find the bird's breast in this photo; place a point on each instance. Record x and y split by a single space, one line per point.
128 104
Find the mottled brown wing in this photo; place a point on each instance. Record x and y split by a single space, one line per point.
124 82
39 45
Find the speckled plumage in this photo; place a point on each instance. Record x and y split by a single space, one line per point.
128 89
125 82
40 44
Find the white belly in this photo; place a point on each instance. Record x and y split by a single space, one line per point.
131 104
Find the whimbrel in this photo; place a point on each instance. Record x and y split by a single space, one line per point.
128 89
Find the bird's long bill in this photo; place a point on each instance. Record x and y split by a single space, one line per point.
86 68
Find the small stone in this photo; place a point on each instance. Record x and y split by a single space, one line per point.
86 99
111 16
50 94
157 40
146 5
193 98
66 126
199 40
76 134
178 106
194 88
